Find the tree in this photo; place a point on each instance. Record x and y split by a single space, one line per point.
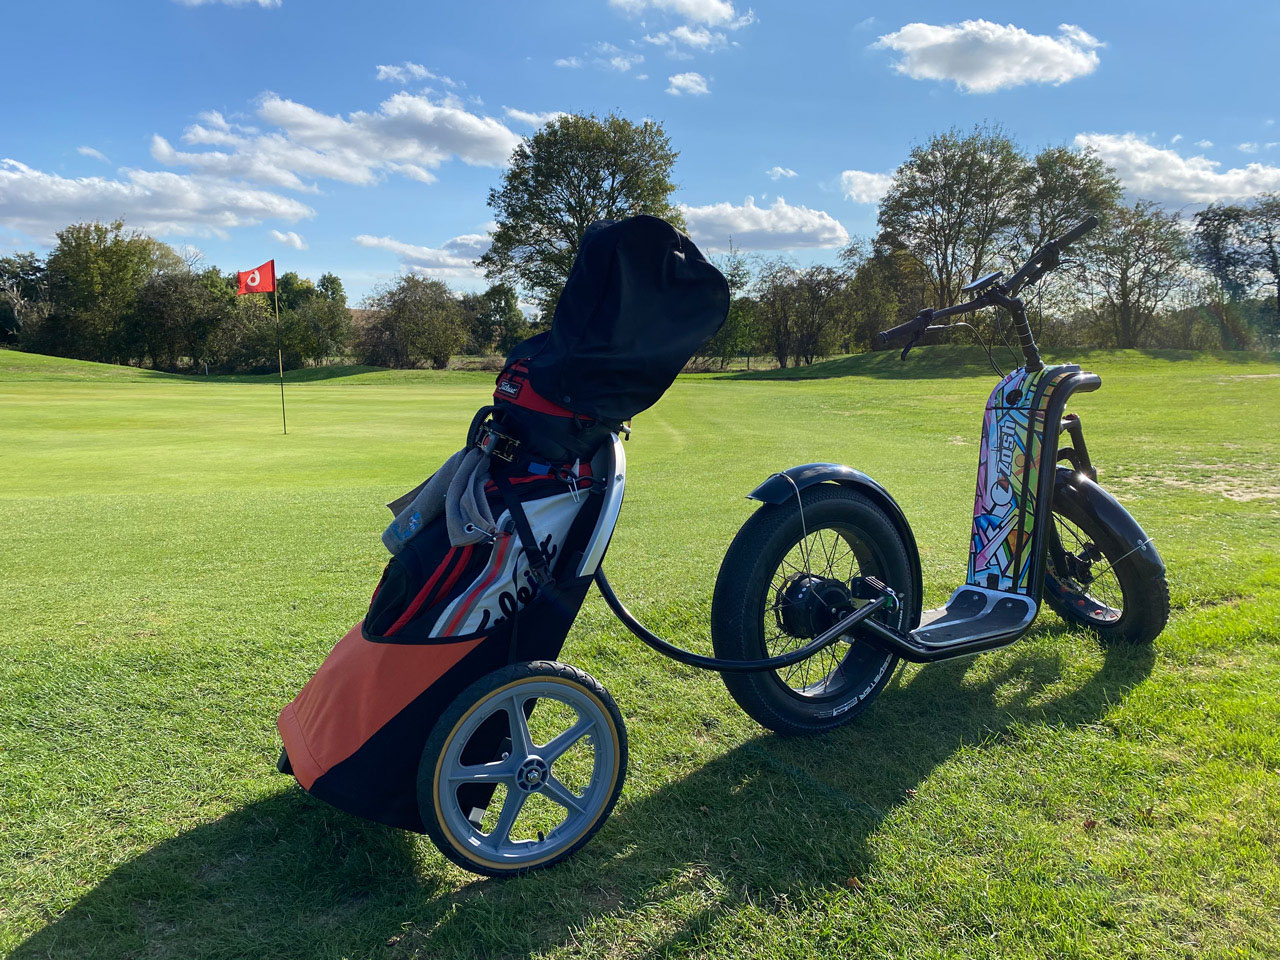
737 335
414 321
24 294
1263 226
321 321
954 202
886 286
798 310
1063 186
1221 245
96 272
1135 265
175 316
574 171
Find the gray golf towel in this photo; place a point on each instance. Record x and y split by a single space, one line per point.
457 491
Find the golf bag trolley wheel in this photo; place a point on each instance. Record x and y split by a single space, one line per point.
784 581
504 788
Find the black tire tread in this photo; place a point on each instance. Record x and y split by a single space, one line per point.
731 605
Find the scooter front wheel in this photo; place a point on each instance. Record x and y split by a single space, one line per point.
784 581
1093 580
546 789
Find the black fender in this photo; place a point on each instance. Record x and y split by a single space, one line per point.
1072 486
778 489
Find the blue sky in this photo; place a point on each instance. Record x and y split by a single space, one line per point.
363 138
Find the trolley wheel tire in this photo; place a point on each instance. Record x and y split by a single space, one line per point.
745 576
1146 592
449 721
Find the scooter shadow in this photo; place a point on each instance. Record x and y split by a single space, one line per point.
290 877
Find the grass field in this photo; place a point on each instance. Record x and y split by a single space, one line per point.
174 569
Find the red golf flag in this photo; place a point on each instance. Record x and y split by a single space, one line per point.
258 280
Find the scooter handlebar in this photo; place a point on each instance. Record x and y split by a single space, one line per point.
910 328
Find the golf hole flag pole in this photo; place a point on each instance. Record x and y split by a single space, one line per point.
263 280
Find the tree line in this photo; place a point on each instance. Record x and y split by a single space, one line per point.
114 295
962 204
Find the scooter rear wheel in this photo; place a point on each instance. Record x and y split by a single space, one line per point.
783 582
554 780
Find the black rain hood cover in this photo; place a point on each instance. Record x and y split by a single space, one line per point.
639 301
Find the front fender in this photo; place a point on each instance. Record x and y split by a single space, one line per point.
1091 499
778 489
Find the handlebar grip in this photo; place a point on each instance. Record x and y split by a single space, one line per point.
1078 231
917 322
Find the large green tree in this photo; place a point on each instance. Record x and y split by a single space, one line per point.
574 171
1135 266
413 321
96 273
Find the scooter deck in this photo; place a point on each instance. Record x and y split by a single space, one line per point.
975 614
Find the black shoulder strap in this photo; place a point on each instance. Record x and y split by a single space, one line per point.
533 550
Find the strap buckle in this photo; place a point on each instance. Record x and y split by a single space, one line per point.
497 444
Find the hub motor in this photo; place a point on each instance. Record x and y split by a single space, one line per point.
808 605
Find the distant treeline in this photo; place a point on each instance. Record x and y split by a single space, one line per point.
113 295
962 204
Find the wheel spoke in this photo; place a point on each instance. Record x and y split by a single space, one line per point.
511 807
521 742
500 771
556 747
553 789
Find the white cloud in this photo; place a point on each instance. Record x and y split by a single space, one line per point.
406 72
981 56
573 63
862 186
1175 138
157 202
777 227
777 173
712 13
622 62
1204 144
1247 147
409 134
692 84
289 238
456 258
697 38
1157 173
532 119
94 153
229 3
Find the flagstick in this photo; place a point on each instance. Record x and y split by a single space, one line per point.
275 293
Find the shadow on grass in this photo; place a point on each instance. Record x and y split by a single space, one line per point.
774 817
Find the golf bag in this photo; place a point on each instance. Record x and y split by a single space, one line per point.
494 554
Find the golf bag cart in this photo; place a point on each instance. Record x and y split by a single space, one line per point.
445 711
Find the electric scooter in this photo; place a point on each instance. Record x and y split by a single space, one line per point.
830 557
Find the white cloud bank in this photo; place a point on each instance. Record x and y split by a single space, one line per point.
289 239
532 119
229 3
409 134
777 227
407 71
710 13
687 84
1157 173
862 186
156 202
981 56
456 258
